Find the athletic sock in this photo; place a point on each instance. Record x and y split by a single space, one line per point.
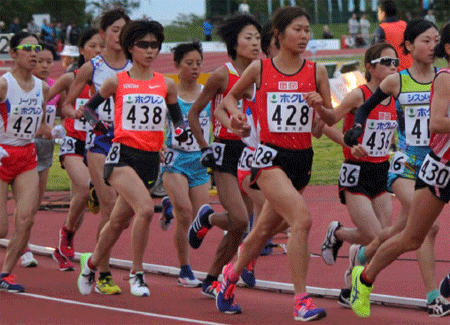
232 275
300 296
432 295
210 278
104 275
89 265
362 256
364 279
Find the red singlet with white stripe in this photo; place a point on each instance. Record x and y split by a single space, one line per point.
385 113
440 142
140 111
219 131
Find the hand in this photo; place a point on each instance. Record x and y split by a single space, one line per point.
207 159
181 134
3 154
90 116
44 131
352 135
359 152
58 132
314 100
77 114
239 125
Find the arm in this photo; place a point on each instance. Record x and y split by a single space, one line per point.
60 87
439 119
83 76
3 89
321 100
44 130
172 103
216 83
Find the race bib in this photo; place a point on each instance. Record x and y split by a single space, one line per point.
50 115
288 112
67 146
349 175
143 112
90 137
23 123
113 154
218 151
398 162
105 110
246 159
377 136
169 157
434 172
417 121
81 124
263 156
191 144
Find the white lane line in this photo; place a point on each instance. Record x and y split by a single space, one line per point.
122 310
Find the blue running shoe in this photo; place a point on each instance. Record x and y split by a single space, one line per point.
187 279
225 297
210 289
267 250
7 284
200 226
166 218
248 274
444 287
305 310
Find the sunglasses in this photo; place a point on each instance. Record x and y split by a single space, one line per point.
147 44
29 48
387 61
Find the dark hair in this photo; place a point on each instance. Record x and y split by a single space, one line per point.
389 8
18 37
109 17
137 29
266 37
413 29
49 47
230 29
284 16
374 52
84 38
181 49
439 50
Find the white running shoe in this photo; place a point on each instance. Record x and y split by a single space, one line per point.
87 276
138 287
353 261
27 259
331 244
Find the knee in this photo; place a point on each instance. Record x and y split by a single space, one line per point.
434 230
184 216
412 243
24 224
239 225
118 225
145 212
302 225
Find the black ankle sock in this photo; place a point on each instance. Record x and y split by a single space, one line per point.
104 275
210 278
365 281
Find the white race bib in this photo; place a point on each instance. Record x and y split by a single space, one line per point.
67 146
398 163
434 172
263 156
288 112
377 136
349 175
246 159
105 110
50 115
113 154
218 151
191 144
417 130
24 122
170 156
81 124
143 112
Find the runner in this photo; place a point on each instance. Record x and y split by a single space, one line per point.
96 71
241 34
185 179
23 116
142 97
283 159
72 149
412 89
367 200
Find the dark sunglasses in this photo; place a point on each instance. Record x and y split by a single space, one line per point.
146 44
387 61
29 47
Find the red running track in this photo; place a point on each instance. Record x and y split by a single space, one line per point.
168 300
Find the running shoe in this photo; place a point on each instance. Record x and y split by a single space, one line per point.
65 246
158 190
268 249
107 286
210 289
305 310
225 297
444 287
87 276
353 261
7 284
439 307
360 295
166 218
63 263
344 298
27 259
138 287
200 226
187 279
331 244
248 274
93 202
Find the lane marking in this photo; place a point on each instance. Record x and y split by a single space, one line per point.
122 310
